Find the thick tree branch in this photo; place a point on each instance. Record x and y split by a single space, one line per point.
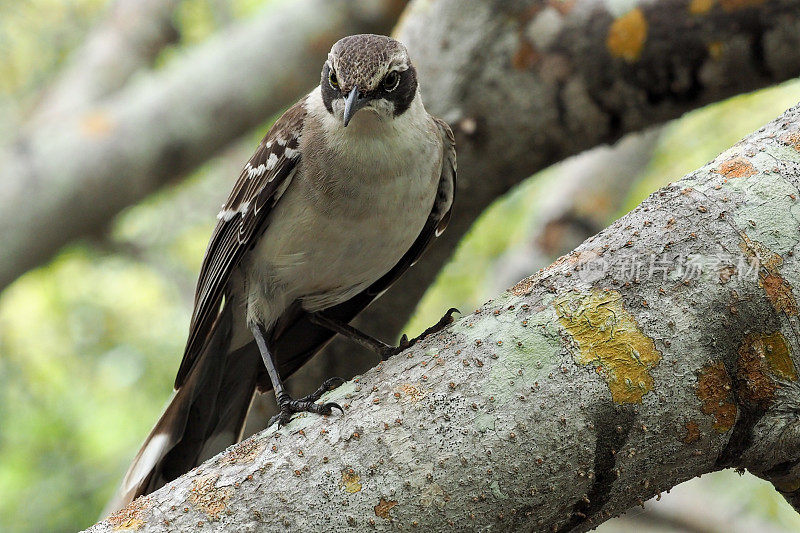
526 84
665 347
70 178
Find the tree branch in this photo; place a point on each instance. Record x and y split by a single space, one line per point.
70 178
665 347
127 40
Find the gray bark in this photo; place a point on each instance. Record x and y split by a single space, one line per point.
581 391
69 178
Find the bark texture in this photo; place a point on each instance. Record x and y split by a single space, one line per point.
71 177
580 392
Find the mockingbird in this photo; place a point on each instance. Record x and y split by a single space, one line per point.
343 195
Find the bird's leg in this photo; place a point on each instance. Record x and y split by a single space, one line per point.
384 351
286 403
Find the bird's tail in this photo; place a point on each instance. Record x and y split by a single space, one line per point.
206 415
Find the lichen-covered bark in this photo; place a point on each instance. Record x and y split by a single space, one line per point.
665 347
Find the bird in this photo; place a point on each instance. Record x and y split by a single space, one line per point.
343 194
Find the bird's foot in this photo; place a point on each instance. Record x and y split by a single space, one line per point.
307 404
405 342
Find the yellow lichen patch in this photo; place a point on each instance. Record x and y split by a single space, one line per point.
735 5
763 357
778 290
738 167
131 516
627 35
608 337
383 508
715 391
412 392
700 7
206 497
351 482
96 124
791 139
243 453
692 432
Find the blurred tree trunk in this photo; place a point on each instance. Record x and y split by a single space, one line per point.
525 84
67 178
125 42
665 347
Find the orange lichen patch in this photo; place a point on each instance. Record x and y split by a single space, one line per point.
413 392
609 338
383 508
692 432
131 516
526 55
523 287
735 5
243 453
791 139
206 497
778 290
715 390
763 357
96 123
351 482
738 167
779 293
627 35
700 7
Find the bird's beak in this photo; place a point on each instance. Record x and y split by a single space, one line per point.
353 103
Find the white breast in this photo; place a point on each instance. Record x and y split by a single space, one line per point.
357 203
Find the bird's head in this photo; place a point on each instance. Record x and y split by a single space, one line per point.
368 72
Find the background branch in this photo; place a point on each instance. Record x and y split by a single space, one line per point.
75 175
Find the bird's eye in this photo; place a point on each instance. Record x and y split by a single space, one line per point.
391 81
333 80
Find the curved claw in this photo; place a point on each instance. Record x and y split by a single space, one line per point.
330 406
332 383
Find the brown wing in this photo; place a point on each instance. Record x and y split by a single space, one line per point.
241 223
297 339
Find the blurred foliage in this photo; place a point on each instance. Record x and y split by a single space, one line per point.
89 343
